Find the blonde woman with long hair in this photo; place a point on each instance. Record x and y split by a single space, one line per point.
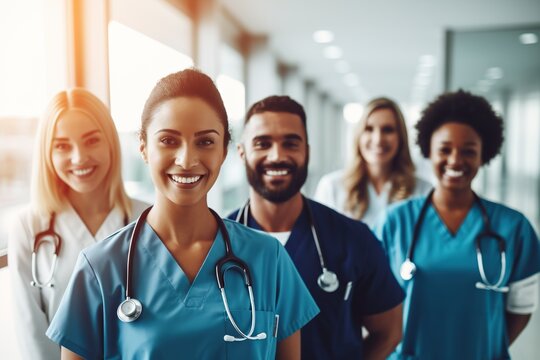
381 170
77 199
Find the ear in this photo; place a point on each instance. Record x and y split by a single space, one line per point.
241 151
142 150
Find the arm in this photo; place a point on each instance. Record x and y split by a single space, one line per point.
289 348
515 324
385 331
69 355
31 319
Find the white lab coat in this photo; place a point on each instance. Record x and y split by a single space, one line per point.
34 307
331 192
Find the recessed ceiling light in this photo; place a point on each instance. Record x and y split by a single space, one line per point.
528 38
333 52
352 112
342 67
427 60
323 36
494 73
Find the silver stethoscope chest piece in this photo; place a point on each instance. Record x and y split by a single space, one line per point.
129 310
328 281
407 270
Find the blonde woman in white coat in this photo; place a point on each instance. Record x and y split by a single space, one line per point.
381 170
77 189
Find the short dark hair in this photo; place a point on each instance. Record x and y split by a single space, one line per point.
186 83
277 103
464 108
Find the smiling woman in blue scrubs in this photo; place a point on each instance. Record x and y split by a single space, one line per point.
461 305
184 138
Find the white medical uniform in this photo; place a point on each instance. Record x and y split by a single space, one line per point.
35 307
331 192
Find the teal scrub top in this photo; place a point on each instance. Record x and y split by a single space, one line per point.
180 320
445 315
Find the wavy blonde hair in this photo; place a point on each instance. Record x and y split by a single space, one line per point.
356 174
48 191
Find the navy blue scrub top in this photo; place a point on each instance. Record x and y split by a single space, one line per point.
350 250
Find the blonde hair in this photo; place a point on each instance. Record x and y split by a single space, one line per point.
402 170
48 191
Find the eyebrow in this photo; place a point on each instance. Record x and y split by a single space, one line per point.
85 135
178 133
287 137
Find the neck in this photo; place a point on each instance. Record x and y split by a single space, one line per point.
453 200
275 217
183 225
88 205
378 176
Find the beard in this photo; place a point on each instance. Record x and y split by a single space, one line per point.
278 194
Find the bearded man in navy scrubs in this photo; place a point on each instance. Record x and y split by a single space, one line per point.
363 292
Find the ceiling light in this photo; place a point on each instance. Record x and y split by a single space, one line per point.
352 112
528 38
494 73
323 36
427 60
342 67
333 52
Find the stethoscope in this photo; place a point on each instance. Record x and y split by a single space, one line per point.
130 309
48 235
328 280
51 236
408 268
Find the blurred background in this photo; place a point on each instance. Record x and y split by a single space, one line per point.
331 56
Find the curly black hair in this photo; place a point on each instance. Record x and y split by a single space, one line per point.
465 108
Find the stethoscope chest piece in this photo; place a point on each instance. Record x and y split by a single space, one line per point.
407 270
129 310
328 281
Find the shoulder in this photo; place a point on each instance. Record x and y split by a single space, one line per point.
500 211
109 249
233 214
336 223
404 210
26 219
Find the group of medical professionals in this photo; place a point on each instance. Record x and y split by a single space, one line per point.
389 267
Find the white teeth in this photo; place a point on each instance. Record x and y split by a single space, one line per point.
82 172
276 172
185 180
453 173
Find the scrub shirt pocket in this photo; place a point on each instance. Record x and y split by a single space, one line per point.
251 349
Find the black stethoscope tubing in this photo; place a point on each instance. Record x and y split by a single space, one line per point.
408 268
130 309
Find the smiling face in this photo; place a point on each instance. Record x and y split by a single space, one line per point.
275 153
80 154
184 149
379 141
456 155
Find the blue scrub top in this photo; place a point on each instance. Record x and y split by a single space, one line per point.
445 315
179 319
356 256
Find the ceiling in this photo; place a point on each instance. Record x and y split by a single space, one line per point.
385 43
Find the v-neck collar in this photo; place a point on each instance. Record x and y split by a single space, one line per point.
105 229
191 294
464 228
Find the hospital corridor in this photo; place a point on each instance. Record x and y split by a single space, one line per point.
256 179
